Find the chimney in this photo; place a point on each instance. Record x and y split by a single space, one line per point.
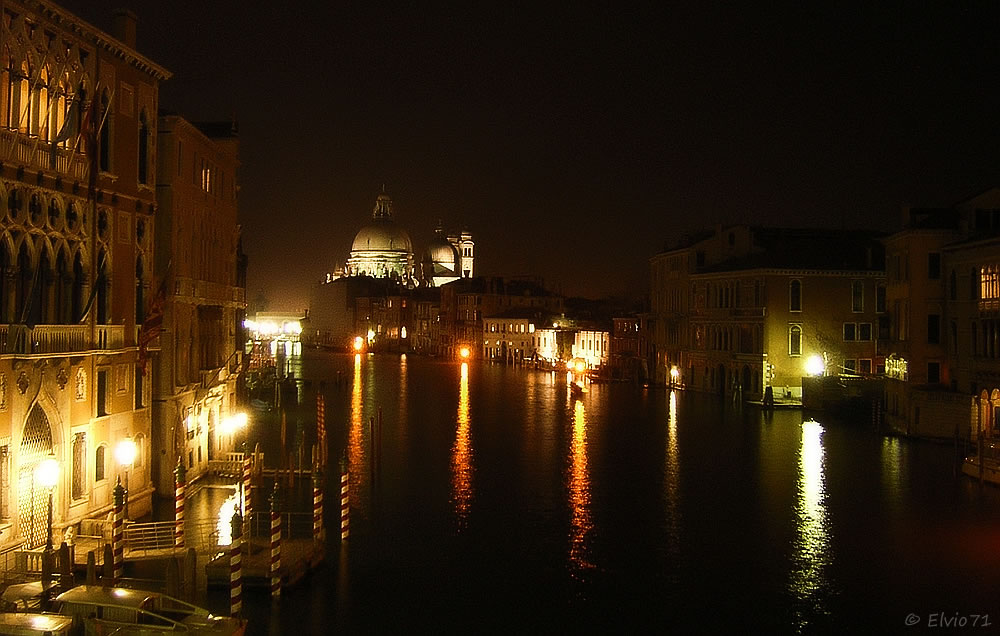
124 26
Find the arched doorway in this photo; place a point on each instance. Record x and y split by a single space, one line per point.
32 500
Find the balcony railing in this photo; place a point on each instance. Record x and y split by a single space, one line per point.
21 148
42 339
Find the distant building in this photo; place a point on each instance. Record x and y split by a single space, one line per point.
199 259
465 302
513 335
592 345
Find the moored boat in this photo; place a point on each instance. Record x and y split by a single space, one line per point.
107 609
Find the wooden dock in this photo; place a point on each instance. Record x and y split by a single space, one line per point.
298 557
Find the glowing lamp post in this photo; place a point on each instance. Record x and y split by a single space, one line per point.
47 474
464 353
359 343
674 374
125 453
232 424
815 366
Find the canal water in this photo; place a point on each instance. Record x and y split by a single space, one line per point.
492 499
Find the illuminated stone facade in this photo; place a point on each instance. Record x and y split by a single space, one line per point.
943 299
743 308
198 252
76 265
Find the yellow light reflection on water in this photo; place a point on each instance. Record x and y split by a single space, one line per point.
579 491
461 453
672 476
355 441
812 547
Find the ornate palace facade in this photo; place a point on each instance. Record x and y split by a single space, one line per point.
77 136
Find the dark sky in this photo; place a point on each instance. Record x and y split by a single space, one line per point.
575 142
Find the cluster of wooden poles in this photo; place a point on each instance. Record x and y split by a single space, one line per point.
236 547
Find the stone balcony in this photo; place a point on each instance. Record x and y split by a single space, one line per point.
49 339
37 154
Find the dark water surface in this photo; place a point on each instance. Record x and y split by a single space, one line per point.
502 503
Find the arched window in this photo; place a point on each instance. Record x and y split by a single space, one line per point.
79 485
6 74
39 106
795 340
99 463
20 102
795 295
140 451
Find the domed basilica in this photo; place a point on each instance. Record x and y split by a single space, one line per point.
382 249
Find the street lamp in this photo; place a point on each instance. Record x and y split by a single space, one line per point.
233 424
125 454
47 474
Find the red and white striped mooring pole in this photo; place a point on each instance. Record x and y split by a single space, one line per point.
118 535
317 479
236 567
179 483
345 501
275 544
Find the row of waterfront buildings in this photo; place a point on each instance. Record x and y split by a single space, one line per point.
746 308
121 275
907 321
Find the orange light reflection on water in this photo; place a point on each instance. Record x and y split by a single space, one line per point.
461 456
355 441
579 491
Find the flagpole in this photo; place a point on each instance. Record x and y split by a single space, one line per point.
48 108
31 90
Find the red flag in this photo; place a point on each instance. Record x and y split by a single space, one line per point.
153 323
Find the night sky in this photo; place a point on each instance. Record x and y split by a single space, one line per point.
575 142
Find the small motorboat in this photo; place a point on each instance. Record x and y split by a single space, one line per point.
107 610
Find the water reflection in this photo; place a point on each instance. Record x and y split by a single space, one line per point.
672 477
461 454
893 472
402 393
355 440
579 491
812 548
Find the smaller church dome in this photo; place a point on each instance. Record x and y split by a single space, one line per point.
441 252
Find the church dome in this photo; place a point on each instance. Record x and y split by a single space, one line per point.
441 252
382 236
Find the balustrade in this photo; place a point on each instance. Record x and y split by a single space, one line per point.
42 339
